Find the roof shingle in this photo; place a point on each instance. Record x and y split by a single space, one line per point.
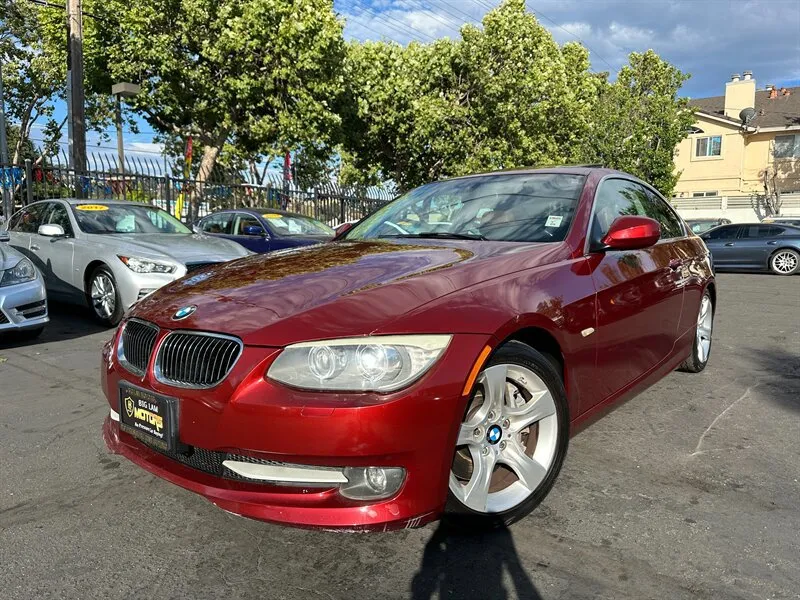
783 111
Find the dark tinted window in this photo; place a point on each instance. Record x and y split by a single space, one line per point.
30 218
760 231
722 233
622 198
245 220
219 223
59 216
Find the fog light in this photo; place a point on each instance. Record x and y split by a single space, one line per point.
371 483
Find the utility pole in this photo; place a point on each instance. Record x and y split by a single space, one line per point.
77 142
7 208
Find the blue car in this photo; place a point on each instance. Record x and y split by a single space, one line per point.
265 229
755 247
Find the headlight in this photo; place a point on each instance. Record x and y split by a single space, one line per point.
375 363
20 273
144 265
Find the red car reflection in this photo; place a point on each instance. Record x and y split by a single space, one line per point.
438 354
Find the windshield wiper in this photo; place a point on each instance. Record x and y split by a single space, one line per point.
442 235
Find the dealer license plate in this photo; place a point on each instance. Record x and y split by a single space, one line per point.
148 416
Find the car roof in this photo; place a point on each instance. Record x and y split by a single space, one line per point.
261 211
565 169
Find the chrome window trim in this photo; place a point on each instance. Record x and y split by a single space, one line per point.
160 347
121 355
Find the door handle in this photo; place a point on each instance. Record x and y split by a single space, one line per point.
34 247
729 244
772 243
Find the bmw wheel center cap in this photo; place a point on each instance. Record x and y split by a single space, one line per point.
184 312
494 434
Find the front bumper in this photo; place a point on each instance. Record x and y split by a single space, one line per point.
251 416
23 306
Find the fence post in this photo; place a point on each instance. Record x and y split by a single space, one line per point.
28 181
342 218
168 193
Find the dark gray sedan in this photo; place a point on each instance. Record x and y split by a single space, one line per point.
755 247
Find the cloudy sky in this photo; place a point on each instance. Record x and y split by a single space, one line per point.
711 39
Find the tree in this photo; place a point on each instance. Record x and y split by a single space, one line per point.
639 120
770 202
263 75
503 96
33 78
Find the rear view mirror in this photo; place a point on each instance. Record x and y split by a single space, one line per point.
51 230
632 233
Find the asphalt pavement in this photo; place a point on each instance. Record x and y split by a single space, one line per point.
691 490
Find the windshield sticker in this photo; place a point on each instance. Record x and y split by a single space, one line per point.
91 207
554 221
272 216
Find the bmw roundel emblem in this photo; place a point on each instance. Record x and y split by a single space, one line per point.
184 312
494 434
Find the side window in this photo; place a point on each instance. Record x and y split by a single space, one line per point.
658 209
723 233
616 198
59 216
31 218
761 231
219 223
244 220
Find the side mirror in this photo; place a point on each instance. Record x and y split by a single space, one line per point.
51 230
343 228
4 236
254 230
632 233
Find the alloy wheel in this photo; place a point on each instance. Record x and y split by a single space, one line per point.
705 321
507 442
104 295
784 262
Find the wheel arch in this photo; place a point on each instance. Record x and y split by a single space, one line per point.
712 290
774 252
89 270
542 340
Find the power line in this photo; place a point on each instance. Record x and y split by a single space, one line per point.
63 7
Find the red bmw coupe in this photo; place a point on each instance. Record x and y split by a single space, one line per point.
435 357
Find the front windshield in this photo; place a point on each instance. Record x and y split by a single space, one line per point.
534 207
703 226
296 225
126 218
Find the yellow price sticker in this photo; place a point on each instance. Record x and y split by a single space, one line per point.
91 207
272 216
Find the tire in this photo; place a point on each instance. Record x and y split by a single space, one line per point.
103 298
701 347
520 428
785 262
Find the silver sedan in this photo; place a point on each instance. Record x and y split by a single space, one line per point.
23 300
111 254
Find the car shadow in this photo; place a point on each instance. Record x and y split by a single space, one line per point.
457 564
782 370
67 322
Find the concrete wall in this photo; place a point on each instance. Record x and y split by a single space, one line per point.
739 209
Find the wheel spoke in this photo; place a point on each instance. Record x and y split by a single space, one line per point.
540 405
529 471
476 492
494 390
466 434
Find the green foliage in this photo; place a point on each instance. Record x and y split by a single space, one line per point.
639 121
260 74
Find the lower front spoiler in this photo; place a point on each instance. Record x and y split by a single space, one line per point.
295 506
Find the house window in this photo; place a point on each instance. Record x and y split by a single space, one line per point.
787 146
705 194
708 146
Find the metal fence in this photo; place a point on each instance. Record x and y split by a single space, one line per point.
153 182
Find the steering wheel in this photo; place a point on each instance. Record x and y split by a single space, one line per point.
395 226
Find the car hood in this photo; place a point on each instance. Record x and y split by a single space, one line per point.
333 290
189 247
8 256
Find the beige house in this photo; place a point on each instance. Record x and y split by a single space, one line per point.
729 151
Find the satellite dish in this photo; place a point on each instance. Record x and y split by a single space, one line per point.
747 115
